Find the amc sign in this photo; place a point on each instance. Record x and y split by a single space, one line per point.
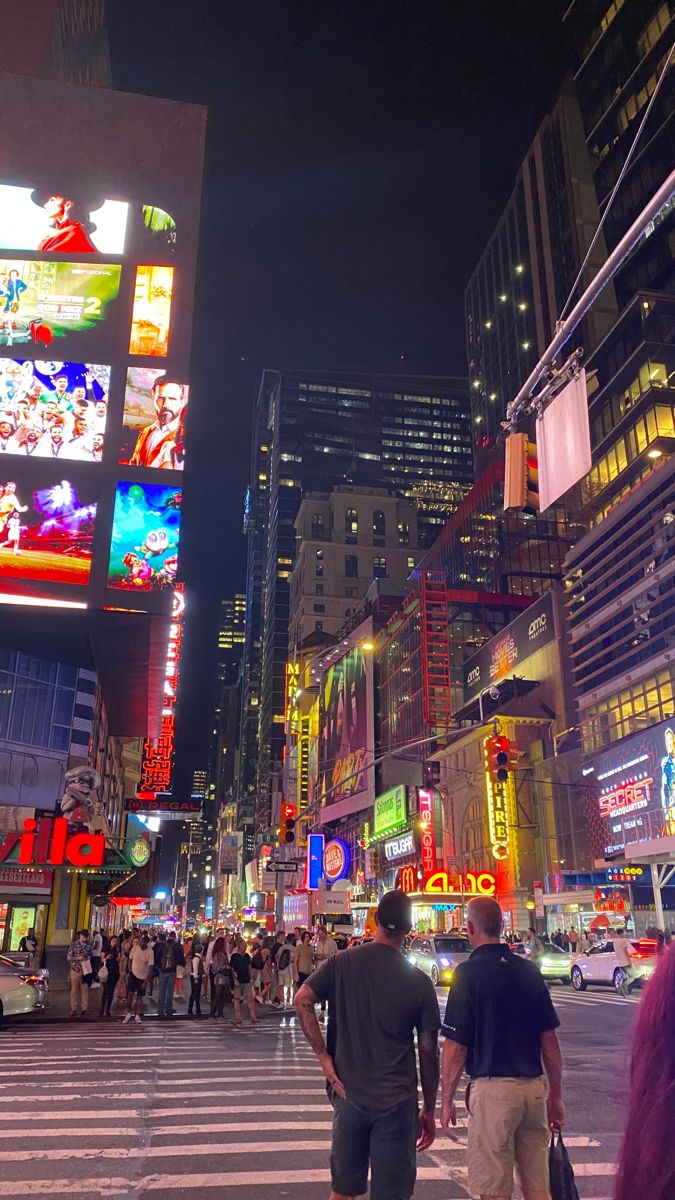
441 884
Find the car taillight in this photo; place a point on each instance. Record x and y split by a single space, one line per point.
34 979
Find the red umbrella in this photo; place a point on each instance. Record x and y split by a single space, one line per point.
600 922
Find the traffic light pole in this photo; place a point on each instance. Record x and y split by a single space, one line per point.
279 902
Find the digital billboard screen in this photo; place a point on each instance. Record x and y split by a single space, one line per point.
53 410
635 797
63 219
42 300
346 731
46 526
151 315
155 404
145 537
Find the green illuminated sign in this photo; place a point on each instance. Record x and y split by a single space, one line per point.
391 810
138 852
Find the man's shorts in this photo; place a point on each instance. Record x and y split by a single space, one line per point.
242 991
284 978
135 985
386 1140
507 1127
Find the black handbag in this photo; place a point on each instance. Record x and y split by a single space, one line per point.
563 1186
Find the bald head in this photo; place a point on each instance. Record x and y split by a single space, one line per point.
483 919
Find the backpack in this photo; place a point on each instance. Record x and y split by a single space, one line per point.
283 958
168 963
257 961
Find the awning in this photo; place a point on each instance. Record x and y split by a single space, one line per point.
509 690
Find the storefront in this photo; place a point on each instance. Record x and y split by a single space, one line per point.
25 896
439 898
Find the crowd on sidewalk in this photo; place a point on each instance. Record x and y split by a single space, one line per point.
211 973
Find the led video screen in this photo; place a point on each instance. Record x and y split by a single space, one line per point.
145 536
63 220
155 403
46 533
54 410
40 301
151 315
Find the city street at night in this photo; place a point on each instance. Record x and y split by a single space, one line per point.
185 1109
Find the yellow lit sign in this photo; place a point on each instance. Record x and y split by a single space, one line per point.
497 805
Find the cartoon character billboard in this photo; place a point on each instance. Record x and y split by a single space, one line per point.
145 537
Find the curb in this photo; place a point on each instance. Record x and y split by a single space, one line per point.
34 1022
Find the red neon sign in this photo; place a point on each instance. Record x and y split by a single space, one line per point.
425 807
46 843
481 883
157 762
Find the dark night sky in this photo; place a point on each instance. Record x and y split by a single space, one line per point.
359 153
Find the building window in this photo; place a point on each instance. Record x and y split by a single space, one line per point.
319 608
319 589
351 521
351 591
318 569
379 523
351 566
318 626
411 563
317 527
403 533
379 568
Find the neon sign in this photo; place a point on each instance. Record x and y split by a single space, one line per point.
46 843
425 807
157 762
471 883
629 797
497 805
336 860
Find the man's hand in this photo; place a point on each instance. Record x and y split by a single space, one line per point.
426 1130
449 1117
555 1111
328 1067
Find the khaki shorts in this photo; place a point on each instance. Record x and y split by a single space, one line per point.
507 1127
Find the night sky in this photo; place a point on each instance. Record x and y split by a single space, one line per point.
359 153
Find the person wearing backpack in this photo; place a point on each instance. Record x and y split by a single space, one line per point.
284 966
196 966
168 957
257 962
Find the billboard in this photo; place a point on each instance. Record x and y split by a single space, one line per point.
62 221
151 313
498 658
145 536
630 795
47 525
346 738
53 410
41 299
153 433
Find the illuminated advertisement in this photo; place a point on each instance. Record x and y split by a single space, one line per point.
346 734
525 635
145 535
40 301
635 796
433 883
61 220
390 810
426 810
45 533
157 761
53 409
154 419
151 315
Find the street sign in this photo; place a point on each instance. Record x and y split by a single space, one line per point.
281 866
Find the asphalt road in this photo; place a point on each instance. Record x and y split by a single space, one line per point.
188 1110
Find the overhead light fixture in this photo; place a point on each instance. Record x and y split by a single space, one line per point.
655 453
493 395
503 297
488 324
476 383
526 345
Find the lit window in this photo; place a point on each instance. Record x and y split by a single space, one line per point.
379 568
351 521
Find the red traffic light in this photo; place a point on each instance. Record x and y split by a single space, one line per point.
501 756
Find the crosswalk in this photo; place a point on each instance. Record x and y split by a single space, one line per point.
191 1110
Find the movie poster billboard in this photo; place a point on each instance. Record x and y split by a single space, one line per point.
151 315
631 791
41 300
145 537
61 219
346 741
155 404
53 410
46 526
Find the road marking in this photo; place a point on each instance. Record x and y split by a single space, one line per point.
119 1186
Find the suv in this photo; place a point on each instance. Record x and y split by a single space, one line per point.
438 954
599 966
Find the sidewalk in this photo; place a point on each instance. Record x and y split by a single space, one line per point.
57 1010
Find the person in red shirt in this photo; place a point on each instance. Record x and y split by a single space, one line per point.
68 235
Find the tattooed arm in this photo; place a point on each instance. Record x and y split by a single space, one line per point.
305 1000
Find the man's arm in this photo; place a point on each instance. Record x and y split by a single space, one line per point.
427 1049
305 999
454 1060
552 1057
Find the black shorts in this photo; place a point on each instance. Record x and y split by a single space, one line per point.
135 985
386 1140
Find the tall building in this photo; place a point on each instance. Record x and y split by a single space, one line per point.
320 429
622 46
57 39
231 635
527 270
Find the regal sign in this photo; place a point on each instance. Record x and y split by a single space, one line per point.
439 883
46 843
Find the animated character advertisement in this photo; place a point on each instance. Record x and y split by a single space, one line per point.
145 536
346 742
61 219
46 534
53 410
42 300
155 404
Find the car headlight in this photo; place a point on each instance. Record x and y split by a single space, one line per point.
445 962
447 973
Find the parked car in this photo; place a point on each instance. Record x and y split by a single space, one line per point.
554 963
599 966
438 955
22 989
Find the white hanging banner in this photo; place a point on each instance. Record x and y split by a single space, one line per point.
563 442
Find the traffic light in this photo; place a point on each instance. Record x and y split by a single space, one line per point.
501 756
287 831
521 478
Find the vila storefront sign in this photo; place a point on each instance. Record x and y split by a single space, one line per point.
534 628
47 843
441 883
399 847
390 810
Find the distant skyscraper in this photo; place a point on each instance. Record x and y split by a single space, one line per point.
320 429
56 39
231 636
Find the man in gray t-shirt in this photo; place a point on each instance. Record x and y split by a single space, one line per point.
376 1001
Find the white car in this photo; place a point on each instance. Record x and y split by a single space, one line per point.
22 989
553 962
599 966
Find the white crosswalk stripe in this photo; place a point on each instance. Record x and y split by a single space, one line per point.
191 1110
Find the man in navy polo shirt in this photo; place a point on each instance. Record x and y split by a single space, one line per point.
499 1025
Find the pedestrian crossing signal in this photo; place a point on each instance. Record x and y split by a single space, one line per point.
521 476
